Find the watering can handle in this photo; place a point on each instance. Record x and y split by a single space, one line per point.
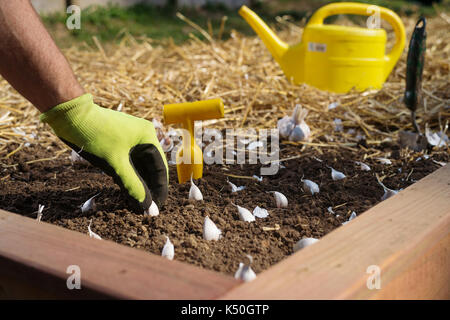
368 10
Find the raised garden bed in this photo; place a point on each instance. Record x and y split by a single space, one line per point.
407 236
63 187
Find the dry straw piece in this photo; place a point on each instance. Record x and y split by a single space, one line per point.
140 75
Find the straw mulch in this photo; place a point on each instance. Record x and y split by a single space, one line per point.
142 75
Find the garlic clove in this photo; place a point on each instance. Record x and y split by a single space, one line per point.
260 212
297 134
75 157
89 204
195 193
166 144
384 160
152 210
245 214
157 124
352 216
310 187
387 192
301 132
168 250
304 243
336 175
280 199
210 230
245 273
439 139
234 188
260 179
237 274
285 126
93 234
363 166
39 212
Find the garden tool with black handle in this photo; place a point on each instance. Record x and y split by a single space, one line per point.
413 92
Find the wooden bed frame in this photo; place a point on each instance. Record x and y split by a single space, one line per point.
406 238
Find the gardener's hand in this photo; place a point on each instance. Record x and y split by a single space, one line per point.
123 146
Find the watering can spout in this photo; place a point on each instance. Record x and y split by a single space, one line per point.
276 46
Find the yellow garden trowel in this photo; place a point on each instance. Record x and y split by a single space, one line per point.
190 157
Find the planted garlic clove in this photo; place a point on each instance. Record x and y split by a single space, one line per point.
363 166
234 188
195 193
260 179
210 230
280 199
310 187
245 273
39 212
152 210
93 234
387 192
89 205
75 157
336 175
304 243
352 216
260 212
237 274
168 250
244 214
384 160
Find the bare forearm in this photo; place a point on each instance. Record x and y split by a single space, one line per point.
30 60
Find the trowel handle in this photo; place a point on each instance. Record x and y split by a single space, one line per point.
368 10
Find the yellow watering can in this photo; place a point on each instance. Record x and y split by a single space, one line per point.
332 57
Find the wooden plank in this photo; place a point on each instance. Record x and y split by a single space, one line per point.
34 257
406 236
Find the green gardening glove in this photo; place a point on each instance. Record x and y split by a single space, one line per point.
123 146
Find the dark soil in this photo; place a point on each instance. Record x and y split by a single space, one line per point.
63 187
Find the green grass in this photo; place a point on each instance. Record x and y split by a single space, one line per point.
159 23
141 20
